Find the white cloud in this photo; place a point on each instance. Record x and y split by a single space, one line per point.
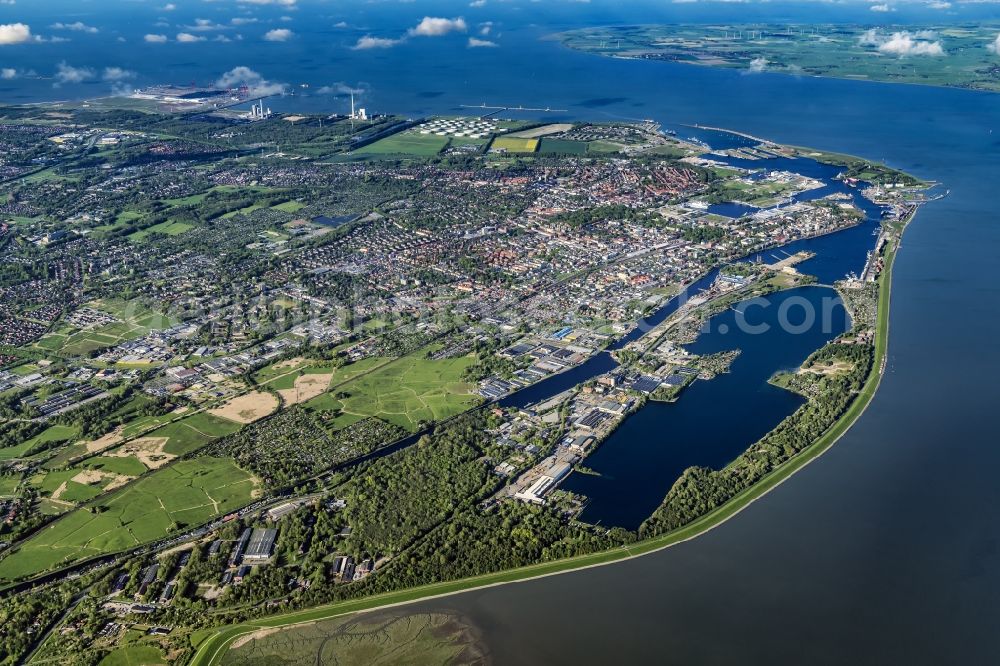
881 8
282 3
66 73
205 25
906 44
435 27
757 65
243 20
76 27
939 4
14 33
870 37
8 73
369 42
476 43
484 28
341 24
169 7
477 3
994 45
187 37
155 39
7 2
117 74
341 88
257 84
278 35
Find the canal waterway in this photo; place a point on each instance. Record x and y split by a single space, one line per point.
713 421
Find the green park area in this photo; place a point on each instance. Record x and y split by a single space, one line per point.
406 391
133 320
168 228
182 495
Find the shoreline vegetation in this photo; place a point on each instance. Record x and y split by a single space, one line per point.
212 645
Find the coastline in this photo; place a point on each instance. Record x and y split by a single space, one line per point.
213 647
736 67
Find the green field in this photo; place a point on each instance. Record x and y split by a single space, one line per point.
243 211
8 485
562 146
127 216
69 491
56 433
136 655
133 428
169 228
187 493
193 432
406 391
406 143
603 147
289 206
186 201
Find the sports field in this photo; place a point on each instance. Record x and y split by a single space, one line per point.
406 391
187 493
513 144
406 143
